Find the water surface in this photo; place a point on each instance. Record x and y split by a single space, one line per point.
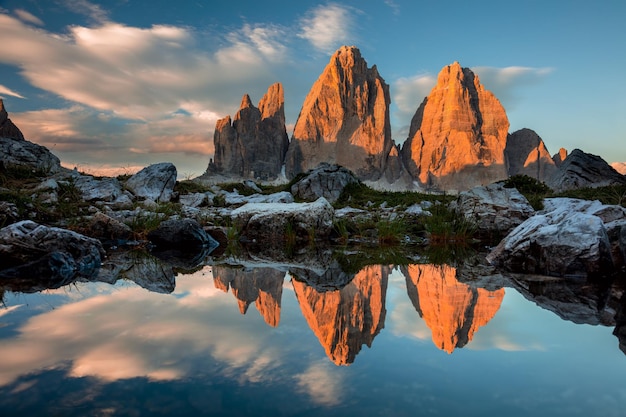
393 341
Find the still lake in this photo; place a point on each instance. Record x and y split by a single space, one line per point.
254 341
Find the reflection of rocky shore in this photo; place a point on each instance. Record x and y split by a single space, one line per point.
345 319
452 310
262 286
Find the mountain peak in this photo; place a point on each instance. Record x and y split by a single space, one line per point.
7 128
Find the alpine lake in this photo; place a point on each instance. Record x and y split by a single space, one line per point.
318 333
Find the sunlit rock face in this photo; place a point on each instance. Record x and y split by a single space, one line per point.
452 310
7 127
344 320
559 157
526 154
458 134
261 286
344 119
255 143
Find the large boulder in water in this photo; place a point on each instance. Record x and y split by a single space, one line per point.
494 208
155 182
29 250
326 181
271 224
567 239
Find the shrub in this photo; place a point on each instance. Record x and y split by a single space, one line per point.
534 191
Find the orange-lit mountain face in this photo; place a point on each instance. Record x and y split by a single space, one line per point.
261 286
344 320
458 137
458 134
452 310
344 119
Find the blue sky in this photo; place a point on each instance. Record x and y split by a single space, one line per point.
121 84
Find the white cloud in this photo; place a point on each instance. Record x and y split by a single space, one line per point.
86 8
394 6
320 384
8 92
407 93
28 17
328 26
506 83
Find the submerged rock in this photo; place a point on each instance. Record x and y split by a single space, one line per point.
181 234
28 249
557 242
271 223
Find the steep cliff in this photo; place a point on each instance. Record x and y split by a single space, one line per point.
452 310
458 134
526 154
344 119
344 320
7 128
255 143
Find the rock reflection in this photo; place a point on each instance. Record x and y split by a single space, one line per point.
452 310
345 319
262 286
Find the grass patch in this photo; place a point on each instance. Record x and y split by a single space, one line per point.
612 194
240 187
190 187
446 227
359 195
534 191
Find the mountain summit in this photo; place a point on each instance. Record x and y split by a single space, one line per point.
7 128
344 119
458 134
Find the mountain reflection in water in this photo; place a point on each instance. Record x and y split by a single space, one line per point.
89 347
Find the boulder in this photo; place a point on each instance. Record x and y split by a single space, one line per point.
622 242
326 181
526 154
193 199
105 189
28 249
107 229
271 223
180 234
458 134
558 242
344 120
581 170
235 198
25 154
494 208
8 213
7 128
155 182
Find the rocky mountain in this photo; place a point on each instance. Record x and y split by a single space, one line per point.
559 157
581 169
344 119
619 167
7 128
346 319
457 135
261 286
453 311
255 143
526 154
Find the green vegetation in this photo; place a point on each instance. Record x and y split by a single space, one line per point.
359 195
446 227
190 187
535 191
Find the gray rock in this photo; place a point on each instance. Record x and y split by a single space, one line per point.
270 223
580 170
180 234
27 247
25 154
326 181
193 199
494 208
235 198
105 189
155 182
557 243
331 278
8 213
622 242
108 229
